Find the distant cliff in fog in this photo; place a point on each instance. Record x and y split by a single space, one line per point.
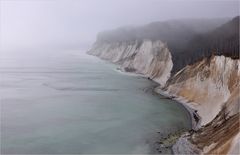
188 40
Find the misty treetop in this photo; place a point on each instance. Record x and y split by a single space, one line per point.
189 40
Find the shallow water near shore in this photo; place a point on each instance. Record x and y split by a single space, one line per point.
73 103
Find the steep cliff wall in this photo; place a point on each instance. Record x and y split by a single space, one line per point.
209 85
206 85
212 88
149 58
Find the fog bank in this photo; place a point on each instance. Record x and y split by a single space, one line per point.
27 24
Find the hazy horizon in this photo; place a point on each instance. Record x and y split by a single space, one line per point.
119 76
27 24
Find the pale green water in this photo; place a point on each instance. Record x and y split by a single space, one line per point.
74 103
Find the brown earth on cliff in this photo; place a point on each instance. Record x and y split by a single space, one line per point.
217 136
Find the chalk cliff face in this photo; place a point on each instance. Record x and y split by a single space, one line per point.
206 85
210 86
149 58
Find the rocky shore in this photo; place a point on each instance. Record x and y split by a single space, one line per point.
195 118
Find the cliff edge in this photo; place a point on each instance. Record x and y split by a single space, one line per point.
203 74
211 87
151 59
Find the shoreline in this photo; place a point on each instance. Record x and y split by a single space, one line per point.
194 124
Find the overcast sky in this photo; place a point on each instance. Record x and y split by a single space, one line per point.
28 23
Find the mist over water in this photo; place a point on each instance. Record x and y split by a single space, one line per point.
75 103
38 24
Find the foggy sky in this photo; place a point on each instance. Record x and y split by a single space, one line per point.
40 23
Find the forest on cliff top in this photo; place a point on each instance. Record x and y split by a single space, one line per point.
189 40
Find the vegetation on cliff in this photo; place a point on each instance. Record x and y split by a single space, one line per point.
188 40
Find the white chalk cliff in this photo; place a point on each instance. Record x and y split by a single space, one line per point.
149 58
205 84
210 86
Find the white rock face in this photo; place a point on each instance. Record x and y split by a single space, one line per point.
206 85
184 146
149 58
235 145
211 87
114 52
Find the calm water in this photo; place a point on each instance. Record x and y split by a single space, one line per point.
74 103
